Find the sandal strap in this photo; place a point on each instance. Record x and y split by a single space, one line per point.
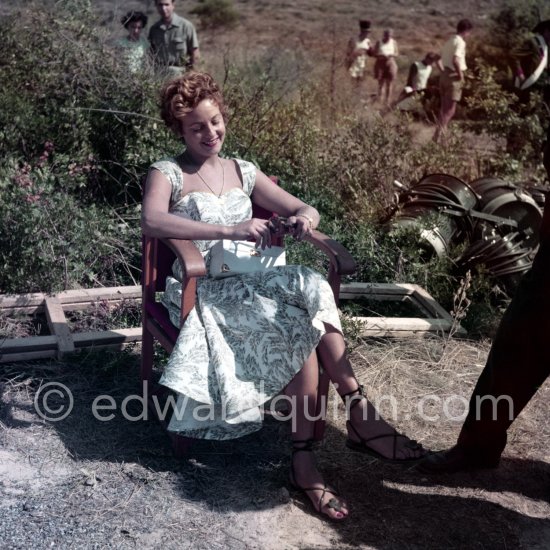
354 396
410 443
331 503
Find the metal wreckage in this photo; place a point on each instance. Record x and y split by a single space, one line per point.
496 222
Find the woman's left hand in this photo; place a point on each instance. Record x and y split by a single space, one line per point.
301 227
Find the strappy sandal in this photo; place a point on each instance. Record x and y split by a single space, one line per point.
361 445
333 503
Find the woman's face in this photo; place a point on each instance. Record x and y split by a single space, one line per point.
134 30
203 129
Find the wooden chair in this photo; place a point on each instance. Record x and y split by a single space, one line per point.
158 257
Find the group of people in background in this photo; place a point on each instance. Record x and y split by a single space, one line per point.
385 69
529 61
172 44
451 63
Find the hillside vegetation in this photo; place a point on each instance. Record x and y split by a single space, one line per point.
78 132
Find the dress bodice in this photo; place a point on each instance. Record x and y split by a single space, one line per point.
230 208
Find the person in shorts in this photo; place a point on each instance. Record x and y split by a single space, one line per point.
453 68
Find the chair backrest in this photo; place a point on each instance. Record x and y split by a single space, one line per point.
157 260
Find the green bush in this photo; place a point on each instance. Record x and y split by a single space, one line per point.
515 19
516 127
50 240
62 82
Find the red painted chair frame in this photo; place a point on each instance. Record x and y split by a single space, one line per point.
158 257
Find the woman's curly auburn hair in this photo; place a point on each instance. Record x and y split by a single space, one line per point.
181 95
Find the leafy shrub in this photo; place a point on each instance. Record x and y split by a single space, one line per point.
515 126
517 17
52 241
78 95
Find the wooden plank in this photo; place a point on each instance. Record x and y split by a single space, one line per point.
107 337
32 303
431 303
390 333
405 323
8 301
98 294
27 310
29 344
42 347
437 320
28 356
58 326
352 290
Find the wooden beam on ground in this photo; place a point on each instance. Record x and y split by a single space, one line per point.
70 299
62 341
116 337
436 319
44 347
57 322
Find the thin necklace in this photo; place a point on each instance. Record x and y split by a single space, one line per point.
223 180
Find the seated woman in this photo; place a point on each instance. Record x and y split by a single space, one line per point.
250 336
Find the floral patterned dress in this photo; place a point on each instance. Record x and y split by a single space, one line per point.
248 335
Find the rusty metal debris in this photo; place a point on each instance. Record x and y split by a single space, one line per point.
497 221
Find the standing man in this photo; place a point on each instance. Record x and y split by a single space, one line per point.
356 57
174 42
452 66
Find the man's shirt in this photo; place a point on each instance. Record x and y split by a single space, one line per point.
455 46
172 43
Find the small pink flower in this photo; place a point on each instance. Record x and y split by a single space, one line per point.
31 199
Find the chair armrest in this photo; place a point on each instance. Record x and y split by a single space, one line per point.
342 261
189 256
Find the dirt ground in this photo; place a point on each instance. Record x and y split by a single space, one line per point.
86 483
93 484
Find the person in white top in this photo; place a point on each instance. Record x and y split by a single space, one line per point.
453 66
417 82
385 67
356 56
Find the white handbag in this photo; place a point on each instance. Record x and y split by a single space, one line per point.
237 257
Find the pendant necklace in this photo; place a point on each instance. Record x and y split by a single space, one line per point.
218 195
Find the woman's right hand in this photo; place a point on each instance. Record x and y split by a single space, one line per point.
255 229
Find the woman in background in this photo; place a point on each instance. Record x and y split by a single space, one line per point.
134 46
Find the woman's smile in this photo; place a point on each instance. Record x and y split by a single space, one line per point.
203 129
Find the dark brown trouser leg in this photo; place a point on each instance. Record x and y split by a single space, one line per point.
518 364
